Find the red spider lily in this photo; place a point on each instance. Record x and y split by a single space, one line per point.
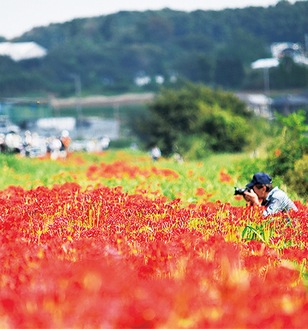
225 177
119 169
101 257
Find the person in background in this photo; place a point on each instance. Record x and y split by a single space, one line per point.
260 192
65 140
104 143
2 143
13 142
54 148
155 153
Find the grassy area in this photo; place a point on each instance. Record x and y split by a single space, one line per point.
212 179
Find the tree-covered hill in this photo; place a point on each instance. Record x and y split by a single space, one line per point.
109 52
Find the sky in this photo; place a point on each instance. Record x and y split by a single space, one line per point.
20 16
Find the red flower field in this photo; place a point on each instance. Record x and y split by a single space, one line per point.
99 257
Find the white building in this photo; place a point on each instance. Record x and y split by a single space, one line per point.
19 51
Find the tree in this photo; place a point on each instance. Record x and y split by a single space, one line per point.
193 115
229 72
289 74
108 52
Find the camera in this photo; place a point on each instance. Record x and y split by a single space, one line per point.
240 191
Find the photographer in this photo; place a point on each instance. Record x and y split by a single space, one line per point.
260 192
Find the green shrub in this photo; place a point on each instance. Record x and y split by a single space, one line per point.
193 147
289 145
298 178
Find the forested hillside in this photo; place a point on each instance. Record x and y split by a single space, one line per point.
110 52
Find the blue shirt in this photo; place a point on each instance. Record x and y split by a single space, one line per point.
277 200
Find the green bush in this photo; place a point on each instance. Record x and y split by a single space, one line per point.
288 152
193 147
289 145
297 179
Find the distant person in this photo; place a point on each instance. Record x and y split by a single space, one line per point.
65 143
178 158
65 139
54 148
27 143
13 142
155 153
260 192
104 142
2 143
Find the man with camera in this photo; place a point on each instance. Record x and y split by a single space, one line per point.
260 192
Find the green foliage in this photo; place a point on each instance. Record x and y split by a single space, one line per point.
30 172
196 147
192 175
289 148
260 134
229 72
261 232
224 130
298 178
108 52
195 120
121 143
289 74
245 168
